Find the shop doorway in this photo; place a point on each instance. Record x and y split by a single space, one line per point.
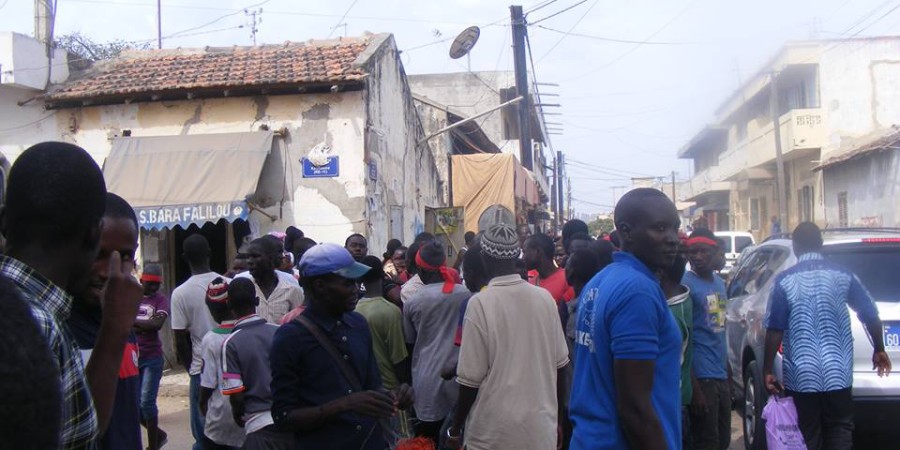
216 234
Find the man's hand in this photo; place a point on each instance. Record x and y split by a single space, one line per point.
772 384
454 438
882 363
559 437
370 403
121 295
403 397
698 401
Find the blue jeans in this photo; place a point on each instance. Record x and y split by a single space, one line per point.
197 419
151 372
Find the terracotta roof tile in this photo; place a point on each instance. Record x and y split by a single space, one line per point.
161 71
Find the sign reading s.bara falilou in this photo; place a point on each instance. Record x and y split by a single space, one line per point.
158 217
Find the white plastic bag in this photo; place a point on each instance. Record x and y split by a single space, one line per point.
782 429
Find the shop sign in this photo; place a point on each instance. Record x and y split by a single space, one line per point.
158 217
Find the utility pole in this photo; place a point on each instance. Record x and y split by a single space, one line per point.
673 186
254 22
43 22
560 169
521 70
569 203
553 194
159 24
779 158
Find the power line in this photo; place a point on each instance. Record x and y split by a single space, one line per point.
341 20
570 30
638 45
557 13
621 41
541 5
216 20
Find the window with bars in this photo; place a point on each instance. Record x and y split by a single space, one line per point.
843 219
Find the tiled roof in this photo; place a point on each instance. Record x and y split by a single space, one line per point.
149 72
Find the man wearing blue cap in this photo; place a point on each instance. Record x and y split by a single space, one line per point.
325 382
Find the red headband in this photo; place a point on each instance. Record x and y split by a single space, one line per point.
151 278
447 274
701 240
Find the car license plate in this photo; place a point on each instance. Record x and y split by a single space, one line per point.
892 335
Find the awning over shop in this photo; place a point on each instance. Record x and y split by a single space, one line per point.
183 180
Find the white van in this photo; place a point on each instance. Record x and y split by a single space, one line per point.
735 243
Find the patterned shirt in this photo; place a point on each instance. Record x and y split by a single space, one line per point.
50 307
809 303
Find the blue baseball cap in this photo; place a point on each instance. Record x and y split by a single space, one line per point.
331 258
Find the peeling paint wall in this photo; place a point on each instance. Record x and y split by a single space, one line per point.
407 179
327 209
872 184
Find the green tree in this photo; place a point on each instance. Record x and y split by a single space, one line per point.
87 50
600 225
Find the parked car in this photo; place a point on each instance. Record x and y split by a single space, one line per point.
735 243
874 256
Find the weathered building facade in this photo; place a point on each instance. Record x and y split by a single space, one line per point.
830 95
322 135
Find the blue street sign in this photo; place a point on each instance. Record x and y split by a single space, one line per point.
330 170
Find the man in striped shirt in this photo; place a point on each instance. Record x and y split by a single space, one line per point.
808 311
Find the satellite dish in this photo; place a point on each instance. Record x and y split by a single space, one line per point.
496 214
464 42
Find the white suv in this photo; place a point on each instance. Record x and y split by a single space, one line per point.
874 256
735 243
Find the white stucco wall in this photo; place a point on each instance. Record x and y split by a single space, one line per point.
860 90
407 176
327 209
24 62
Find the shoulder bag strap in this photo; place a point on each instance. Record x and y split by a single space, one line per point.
335 354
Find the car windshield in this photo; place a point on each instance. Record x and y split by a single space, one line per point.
742 242
727 241
876 268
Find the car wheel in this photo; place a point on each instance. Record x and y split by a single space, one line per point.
754 400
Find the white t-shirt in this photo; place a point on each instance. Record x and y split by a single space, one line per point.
512 347
219 425
189 313
410 288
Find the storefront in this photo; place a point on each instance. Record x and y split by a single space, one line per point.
210 184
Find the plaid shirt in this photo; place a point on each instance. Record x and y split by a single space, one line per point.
50 307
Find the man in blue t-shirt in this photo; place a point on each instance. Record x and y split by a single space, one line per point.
711 400
626 387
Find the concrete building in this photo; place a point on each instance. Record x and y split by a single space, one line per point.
831 95
25 72
449 98
242 141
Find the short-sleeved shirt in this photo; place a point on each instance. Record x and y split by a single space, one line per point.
429 323
386 325
304 375
189 313
622 315
286 296
410 288
682 309
809 303
148 341
555 284
124 430
708 303
512 349
50 306
245 368
219 425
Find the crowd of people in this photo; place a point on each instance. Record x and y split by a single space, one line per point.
523 340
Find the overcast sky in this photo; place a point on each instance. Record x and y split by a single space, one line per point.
626 108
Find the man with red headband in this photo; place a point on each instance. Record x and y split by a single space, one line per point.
152 314
429 324
711 400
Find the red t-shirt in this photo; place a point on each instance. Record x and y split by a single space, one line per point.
555 284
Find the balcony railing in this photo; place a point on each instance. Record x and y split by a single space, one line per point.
800 129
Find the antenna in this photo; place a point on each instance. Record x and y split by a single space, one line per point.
463 44
252 14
